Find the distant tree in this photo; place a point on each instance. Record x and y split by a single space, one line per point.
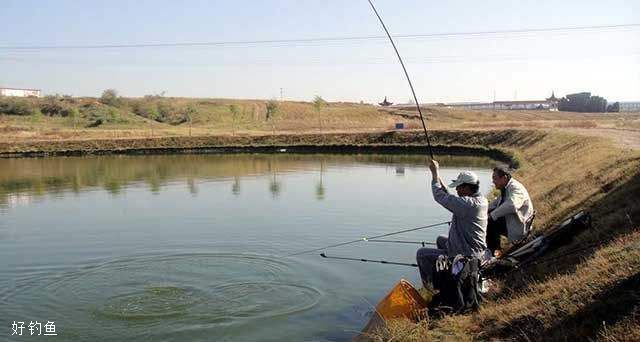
234 115
318 103
614 107
272 109
110 98
154 116
189 112
74 115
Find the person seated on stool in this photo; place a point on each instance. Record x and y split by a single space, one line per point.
510 212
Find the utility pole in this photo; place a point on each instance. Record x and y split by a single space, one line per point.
281 96
494 98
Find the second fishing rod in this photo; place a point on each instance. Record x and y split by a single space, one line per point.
375 238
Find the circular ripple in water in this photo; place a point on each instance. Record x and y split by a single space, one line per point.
261 299
164 293
152 302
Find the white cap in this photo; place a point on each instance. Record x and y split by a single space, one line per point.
465 177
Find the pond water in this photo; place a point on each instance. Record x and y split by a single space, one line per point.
192 247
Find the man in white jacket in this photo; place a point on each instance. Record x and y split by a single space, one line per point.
510 213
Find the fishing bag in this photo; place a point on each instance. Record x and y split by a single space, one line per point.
456 278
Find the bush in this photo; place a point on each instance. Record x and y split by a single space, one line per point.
160 110
54 105
17 106
97 115
165 111
146 108
110 98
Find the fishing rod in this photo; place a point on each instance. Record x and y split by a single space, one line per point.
423 243
415 98
369 260
368 238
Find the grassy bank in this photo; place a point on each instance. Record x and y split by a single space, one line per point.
55 118
588 289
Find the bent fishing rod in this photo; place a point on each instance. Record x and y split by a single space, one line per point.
369 260
415 98
368 239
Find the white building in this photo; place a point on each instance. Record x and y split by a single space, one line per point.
630 106
505 105
18 92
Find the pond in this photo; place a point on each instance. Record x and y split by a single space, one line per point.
193 247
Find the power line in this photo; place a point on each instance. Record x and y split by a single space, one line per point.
316 61
325 39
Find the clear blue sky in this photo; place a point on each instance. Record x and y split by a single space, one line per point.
456 68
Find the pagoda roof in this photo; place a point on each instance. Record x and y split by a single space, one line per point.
385 103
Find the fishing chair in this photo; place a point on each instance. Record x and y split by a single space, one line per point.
527 236
553 238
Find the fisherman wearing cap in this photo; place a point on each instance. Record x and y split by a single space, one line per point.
467 232
511 213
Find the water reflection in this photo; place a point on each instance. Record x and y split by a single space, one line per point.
22 180
191 183
320 191
275 187
235 187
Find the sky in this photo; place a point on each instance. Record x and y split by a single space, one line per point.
59 47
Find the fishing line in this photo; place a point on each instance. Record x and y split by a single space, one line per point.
368 238
415 98
423 243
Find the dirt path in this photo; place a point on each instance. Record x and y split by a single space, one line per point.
627 138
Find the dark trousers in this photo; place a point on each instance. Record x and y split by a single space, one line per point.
495 228
427 257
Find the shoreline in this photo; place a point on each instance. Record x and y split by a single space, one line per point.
459 143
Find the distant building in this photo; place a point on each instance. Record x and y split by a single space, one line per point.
385 103
583 102
550 103
630 106
19 92
535 104
506 105
553 102
470 105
